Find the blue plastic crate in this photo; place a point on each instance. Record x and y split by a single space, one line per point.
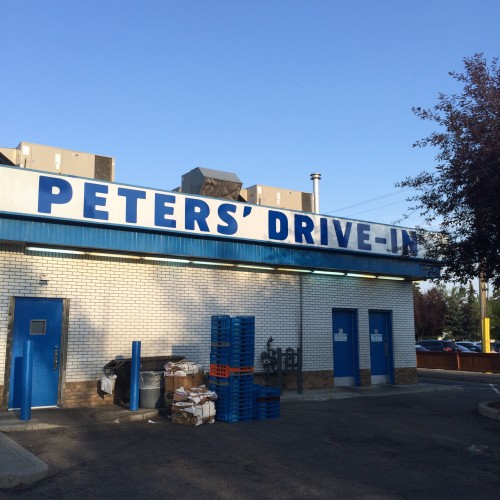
232 419
241 361
220 356
266 414
241 379
218 381
223 319
232 403
243 357
263 391
242 345
241 384
218 345
234 380
242 333
235 416
243 349
266 402
243 320
220 337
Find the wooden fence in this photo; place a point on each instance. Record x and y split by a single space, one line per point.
464 361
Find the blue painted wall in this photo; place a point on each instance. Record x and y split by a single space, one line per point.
93 237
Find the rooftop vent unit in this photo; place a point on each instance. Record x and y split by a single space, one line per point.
212 183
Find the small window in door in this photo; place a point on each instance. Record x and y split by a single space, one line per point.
38 327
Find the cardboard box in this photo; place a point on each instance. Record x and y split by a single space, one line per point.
173 382
188 419
189 413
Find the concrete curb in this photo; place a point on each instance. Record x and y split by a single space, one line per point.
355 392
14 424
32 425
133 417
17 465
486 410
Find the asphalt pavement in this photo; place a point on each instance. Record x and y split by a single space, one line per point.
20 467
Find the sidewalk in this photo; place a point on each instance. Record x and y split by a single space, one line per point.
18 466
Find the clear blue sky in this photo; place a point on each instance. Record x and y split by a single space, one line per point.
271 90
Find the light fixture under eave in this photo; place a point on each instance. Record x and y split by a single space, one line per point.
55 250
284 269
355 275
332 273
114 255
165 259
207 263
245 266
392 278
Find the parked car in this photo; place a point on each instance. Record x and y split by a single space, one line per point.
464 349
439 345
419 348
470 346
495 347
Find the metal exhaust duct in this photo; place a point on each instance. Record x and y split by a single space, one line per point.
316 178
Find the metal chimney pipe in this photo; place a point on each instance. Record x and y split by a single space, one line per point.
316 178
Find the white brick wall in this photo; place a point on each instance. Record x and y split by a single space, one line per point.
169 307
322 293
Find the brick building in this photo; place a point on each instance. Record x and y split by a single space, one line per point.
112 264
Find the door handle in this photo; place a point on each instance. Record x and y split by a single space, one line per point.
56 357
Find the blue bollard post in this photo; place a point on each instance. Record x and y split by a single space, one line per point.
134 375
27 380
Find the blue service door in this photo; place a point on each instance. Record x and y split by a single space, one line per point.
381 347
38 320
345 348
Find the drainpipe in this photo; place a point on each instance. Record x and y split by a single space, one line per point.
301 318
316 178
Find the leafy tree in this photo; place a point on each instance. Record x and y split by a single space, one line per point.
494 314
430 310
462 193
451 313
454 316
471 320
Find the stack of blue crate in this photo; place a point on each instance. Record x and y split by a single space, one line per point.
232 366
220 344
266 402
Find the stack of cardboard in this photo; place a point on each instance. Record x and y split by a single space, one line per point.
184 374
193 406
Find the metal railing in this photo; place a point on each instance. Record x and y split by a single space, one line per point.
463 361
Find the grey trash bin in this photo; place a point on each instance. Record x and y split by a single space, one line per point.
152 389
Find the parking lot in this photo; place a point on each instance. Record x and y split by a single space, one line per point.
422 445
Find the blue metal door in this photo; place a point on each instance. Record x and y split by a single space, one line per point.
381 347
38 320
345 347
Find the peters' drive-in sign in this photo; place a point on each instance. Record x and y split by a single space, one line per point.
34 193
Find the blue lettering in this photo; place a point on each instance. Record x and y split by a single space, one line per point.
91 200
161 210
394 241
342 238
363 235
46 195
304 226
197 212
323 228
224 213
274 218
410 246
131 197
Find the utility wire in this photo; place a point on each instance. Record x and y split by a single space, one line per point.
368 201
376 208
